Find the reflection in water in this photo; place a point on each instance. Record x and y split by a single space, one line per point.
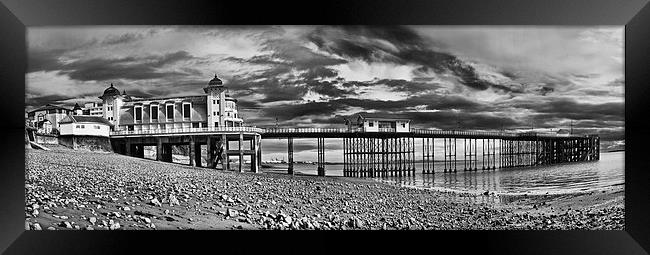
563 178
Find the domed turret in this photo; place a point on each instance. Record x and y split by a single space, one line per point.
215 81
110 91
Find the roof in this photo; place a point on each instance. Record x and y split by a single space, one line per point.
41 123
563 131
49 107
383 116
111 91
76 107
84 118
215 81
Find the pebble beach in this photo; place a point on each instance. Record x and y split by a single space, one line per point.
83 190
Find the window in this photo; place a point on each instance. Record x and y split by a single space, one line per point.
138 113
154 112
77 126
187 110
371 124
214 101
97 127
403 125
216 124
170 112
195 125
214 113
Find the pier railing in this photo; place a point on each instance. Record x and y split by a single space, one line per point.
187 130
248 129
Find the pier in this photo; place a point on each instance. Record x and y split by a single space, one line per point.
385 152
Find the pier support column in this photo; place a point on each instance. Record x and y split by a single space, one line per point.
167 153
210 152
127 149
197 154
255 161
159 149
290 154
321 156
241 153
192 150
138 151
223 148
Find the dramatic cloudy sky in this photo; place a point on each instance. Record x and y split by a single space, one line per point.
311 76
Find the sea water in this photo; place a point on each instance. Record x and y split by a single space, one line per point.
564 178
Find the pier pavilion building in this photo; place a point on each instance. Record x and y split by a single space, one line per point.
214 109
374 122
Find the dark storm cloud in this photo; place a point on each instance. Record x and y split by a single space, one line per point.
319 72
121 39
43 100
130 68
571 109
399 45
452 120
327 88
298 55
286 112
44 60
292 111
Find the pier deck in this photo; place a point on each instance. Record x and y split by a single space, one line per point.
371 154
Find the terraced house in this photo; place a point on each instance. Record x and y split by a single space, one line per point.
214 109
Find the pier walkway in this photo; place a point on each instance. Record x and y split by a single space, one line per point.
385 152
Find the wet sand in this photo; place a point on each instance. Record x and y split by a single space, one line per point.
68 189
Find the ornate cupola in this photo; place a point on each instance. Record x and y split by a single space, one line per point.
215 83
110 91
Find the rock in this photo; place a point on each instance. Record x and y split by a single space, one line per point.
155 202
146 220
115 226
63 217
66 224
51 228
232 213
27 225
89 228
92 220
37 226
126 208
173 201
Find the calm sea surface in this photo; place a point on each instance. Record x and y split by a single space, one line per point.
608 172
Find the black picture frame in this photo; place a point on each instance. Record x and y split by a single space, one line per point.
16 15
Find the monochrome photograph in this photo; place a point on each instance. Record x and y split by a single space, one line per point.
325 128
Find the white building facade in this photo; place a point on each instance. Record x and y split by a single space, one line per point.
81 125
370 122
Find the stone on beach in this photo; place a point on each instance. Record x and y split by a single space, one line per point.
99 185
